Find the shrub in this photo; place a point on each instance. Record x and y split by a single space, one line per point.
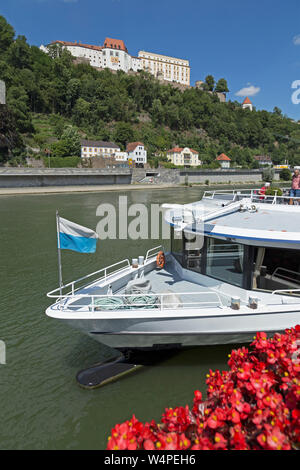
285 174
268 174
273 190
62 162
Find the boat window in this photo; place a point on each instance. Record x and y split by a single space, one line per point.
225 261
276 268
192 251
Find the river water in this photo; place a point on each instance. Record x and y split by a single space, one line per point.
42 406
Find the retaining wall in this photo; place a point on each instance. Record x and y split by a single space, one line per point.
25 177
176 176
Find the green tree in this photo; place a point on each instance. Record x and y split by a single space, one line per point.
17 101
285 174
221 86
7 34
68 145
18 54
157 112
123 133
209 83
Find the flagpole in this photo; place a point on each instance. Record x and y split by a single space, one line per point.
59 254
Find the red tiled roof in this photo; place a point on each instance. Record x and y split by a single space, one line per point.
262 158
223 157
78 44
115 44
179 149
108 43
133 145
247 101
175 150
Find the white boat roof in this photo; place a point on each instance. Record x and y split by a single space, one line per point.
249 220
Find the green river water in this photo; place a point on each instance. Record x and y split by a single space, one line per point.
42 406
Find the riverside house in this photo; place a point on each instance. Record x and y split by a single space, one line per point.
98 148
183 157
224 160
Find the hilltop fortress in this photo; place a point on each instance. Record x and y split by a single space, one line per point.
115 56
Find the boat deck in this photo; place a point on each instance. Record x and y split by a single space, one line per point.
169 289
168 281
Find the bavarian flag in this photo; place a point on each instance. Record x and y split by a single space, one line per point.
75 237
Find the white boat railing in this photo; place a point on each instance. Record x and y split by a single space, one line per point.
105 272
156 250
253 195
104 276
287 293
147 301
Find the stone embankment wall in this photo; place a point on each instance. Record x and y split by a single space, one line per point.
175 176
39 177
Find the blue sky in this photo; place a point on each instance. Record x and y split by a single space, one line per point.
253 44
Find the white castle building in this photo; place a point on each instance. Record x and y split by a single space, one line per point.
114 55
165 67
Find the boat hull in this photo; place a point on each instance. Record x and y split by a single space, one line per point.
184 332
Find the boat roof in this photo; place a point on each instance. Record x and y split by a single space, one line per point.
243 218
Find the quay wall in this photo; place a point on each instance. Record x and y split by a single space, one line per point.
177 176
42 177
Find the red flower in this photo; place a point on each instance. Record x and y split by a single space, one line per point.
220 441
216 419
149 445
254 405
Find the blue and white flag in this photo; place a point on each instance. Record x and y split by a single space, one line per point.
76 237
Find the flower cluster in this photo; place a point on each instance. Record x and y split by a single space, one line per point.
255 405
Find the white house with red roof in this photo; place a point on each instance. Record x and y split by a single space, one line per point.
247 104
184 157
224 160
137 153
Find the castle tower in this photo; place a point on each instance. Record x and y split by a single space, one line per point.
247 104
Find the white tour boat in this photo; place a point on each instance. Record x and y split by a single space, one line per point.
234 271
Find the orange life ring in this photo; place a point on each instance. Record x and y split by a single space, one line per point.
160 259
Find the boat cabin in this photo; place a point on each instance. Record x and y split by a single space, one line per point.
247 266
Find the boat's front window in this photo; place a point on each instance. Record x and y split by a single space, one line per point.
225 261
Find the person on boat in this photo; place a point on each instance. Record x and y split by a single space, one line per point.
263 190
295 189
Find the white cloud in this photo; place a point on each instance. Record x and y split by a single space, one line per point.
296 40
248 91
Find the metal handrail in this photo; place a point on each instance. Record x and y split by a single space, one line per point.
253 194
65 306
158 248
275 272
280 291
72 283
